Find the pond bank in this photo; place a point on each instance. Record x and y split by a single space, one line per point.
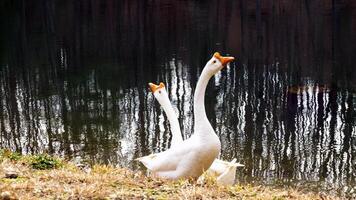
45 177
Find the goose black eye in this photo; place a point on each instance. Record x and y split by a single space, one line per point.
214 61
159 91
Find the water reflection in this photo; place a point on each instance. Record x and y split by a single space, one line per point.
75 82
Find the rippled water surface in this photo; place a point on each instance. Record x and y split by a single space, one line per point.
74 74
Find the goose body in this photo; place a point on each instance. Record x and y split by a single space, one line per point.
191 157
223 170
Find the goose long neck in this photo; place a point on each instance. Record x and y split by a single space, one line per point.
199 97
174 123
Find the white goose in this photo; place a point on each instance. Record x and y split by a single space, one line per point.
161 95
193 156
223 170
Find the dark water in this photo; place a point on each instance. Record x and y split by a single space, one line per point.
74 74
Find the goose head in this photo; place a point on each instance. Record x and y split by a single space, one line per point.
160 93
217 63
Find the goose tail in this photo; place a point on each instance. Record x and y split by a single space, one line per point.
234 164
146 160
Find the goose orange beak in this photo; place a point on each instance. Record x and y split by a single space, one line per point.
224 60
154 87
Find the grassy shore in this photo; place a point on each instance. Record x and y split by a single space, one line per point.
45 177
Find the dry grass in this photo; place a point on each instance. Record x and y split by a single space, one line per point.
105 182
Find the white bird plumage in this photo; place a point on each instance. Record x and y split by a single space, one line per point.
161 95
191 157
224 171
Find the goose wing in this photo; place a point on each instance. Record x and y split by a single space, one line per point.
168 160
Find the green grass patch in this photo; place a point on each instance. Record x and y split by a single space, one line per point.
44 161
14 156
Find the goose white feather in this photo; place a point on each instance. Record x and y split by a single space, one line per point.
161 95
229 174
223 170
193 156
